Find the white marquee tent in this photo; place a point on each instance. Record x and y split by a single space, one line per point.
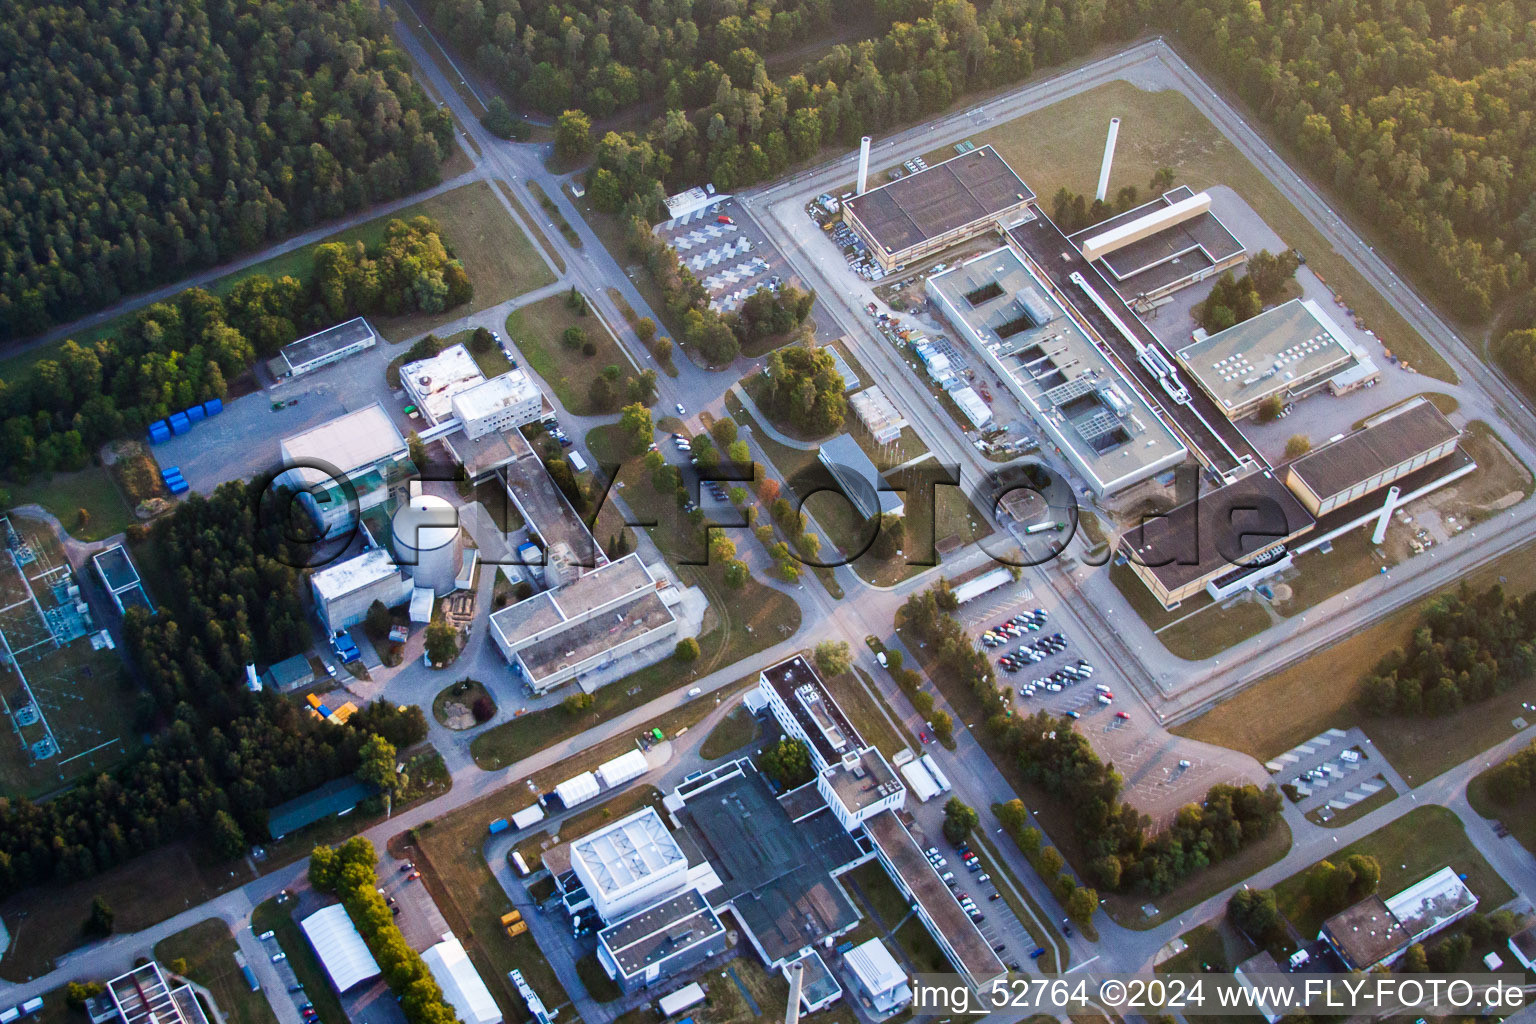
461 983
340 948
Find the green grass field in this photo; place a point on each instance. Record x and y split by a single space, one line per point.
64 495
537 331
1061 145
209 951
735 731
1414 846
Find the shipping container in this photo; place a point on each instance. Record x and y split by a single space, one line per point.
250 978
500 825
213 406
528 816
519 863
179 423
196 414
676 1002
32 1005
159 431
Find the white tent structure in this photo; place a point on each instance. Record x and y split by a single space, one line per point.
341 949
578 789
461 983
624 768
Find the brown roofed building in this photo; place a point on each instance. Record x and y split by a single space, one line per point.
1386 449
1365 935
1223 537
920 214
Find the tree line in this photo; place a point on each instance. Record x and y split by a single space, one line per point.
187 349
1468 646
602 55
221 756
145 141
1121 853
350 873
1513 780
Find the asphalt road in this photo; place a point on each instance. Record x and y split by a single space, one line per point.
1108 635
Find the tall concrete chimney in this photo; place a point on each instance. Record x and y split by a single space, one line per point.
797 969
1385 517
1109 158
863 165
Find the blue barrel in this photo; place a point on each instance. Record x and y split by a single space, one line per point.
213 406
195 413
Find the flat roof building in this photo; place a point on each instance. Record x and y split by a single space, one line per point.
1075 394
324 348
818 988
558 635
1287 352
629 864
858 477
933 209
661 941
1387 448
1161 246
144 996
806 711
433 382
501 403
879 978
878 414
1365 935
1224 540
344 592
1432 903
289 674
774 874
343 467
339 796
121 578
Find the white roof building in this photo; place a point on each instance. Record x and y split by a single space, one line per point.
878 414
972 405
624 768
341 950
358 440
433 382
1432 903
462 985
344 591
578 789
878 974
501 403
629 864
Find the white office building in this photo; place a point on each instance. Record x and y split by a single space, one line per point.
501 403
629 864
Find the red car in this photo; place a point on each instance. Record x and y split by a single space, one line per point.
723 219
1122 714
922 736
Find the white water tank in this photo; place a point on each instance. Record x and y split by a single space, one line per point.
427 542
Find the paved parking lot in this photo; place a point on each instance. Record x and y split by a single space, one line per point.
732 260
1334 769
1152 761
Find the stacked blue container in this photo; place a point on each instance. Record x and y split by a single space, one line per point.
159 431
213 406
179 423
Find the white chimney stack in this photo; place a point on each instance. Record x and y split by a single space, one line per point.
863 164
797 969
1109 158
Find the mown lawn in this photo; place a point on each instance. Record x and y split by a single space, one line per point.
209 951
1409 849
66 495
537 330
735 731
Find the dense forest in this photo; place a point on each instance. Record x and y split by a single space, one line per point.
172 354
602 55
1414 113
144 141
1468 646
1122 852
222 756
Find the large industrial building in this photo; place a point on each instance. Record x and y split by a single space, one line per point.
1159 247
858 477
478 417
1287 352
341 950
563 634
121 578
343 592
1221 541
323 348
927 212
344 467
661 941
629 864
1076 395
1387 448
144 996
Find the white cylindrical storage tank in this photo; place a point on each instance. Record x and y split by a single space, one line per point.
427 542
